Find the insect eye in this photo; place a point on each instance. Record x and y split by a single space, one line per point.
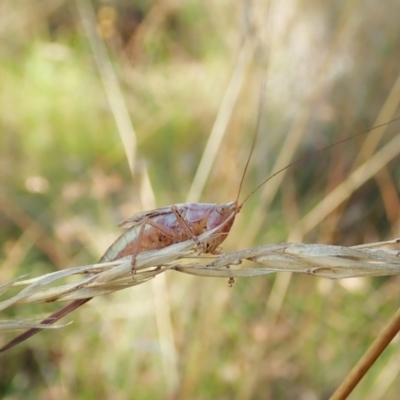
222 209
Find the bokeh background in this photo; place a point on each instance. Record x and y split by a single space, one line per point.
84 86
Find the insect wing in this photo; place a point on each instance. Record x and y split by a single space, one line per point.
139 217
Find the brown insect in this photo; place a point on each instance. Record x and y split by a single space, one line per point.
162 227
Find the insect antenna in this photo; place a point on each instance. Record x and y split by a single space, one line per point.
257 130
307 156
261 34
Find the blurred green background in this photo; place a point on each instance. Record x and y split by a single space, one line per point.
65 183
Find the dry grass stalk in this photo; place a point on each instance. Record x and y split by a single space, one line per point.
333 262
326 261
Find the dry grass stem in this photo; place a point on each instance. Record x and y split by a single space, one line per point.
112 88
368 358
326 261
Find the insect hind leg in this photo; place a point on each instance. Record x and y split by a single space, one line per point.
170 233
162 229
186 227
